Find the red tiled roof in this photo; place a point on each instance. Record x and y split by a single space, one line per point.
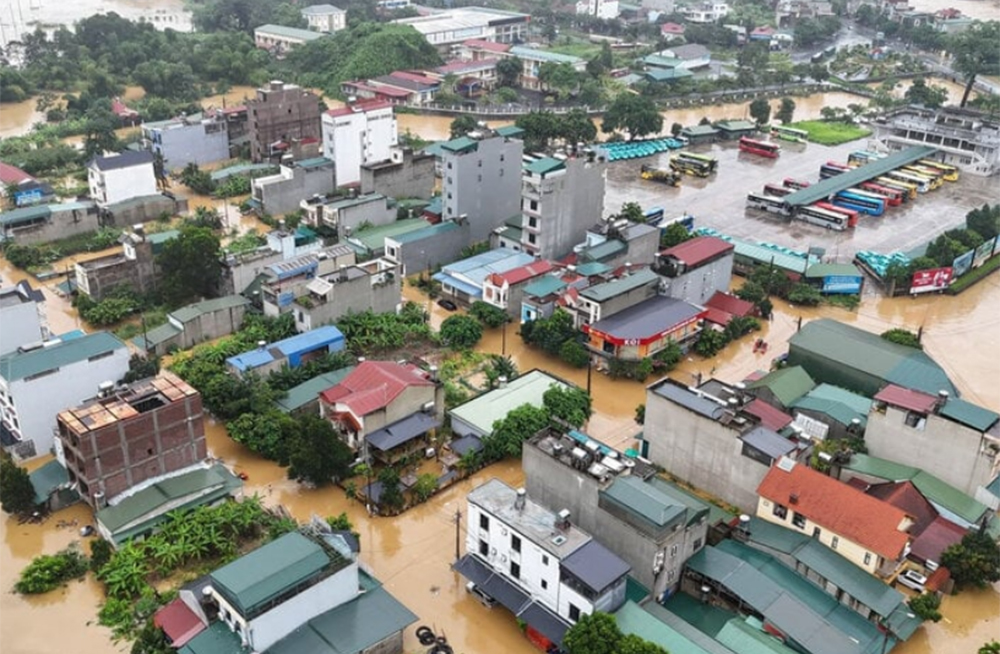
905 496
458 66
772 418
361 106
936 538
698 250
717 316
763 29
906 398
490 46
730 304
672 28
839 508
526 272
12 174
178 622
937 579
411 76
373 385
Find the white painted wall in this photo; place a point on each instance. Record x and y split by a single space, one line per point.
21 325
359 138
122 183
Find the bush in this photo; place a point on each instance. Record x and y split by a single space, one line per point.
100 553
805 295
926 606
973 562
710 343
902 337
574 353
461 332
48 572
17 495
488 314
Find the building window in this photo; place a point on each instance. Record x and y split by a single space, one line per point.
868 558
545 559
449 165
574 613
484 522
534 205
673 550
780 511
515 543
545 585
484 548
834 542
799 520
515 570
532 222
816 532
697 545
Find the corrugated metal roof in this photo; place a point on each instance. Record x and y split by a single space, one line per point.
509 131
688 399
838 403
906 399
632 619
192 311
741 637
620 286
156 335
25 214
969 414
545 165
288 32
648 318
373 238
601 251
481 412
768 442
308 391
544 286
787 384
646 501
431 231
18 365
402 431
770 417
832 270
543 55
46 479
217 639
596 566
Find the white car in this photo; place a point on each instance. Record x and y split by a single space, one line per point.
913 579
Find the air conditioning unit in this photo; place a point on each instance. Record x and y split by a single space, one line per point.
558 540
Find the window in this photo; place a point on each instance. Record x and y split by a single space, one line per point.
532 222
574 613
799 520
501 157
532 239
834 542
673 550
515 543
816 532
501 172
534 205
484 522
545 584
697 545
868 558
484 548
449 165
515 570
780 511
480 163
545 559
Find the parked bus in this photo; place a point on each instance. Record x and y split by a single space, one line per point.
852 215
776 191
693 164
766 203
762 148
893 197
922 183
831 169
789 134
687 220
862 157
935 177
693 156
950 172
795 184
823 217
873 206
909 190
654 215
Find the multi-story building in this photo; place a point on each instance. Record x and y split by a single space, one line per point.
406 174
504 290
278 39
451 27
196 139
22 316
120 177
281 282
193 324
463 280
603 9
280 114
39 380
358 134
371 286
696 269
284 191
643 330
325 18
560 200
532 60
241 270
705 12
605 299
536 562
348 214
129 436
424 248
481 179
965 138
653 525
135 267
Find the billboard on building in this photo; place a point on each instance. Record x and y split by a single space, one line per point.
983 252
930 280
962 264
847 284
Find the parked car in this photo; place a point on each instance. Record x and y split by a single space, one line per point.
480 594
913 579
447 305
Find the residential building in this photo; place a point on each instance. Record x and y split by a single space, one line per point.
504 290
371 286
705 436
347 214
296 180
536 563
241 270
24 189
643 330
281 114
560 200
474 77
184 140
463 280
292 352
706 12
614 245
965 138
193 324
542 297
53 490
647 521
783 387
325 18
360 133
425 248
696 269
278 39
827 411
475 418
370 242
669 31
419 87
603 9
692 56
135 267
39 380
603 300
448 28
127 116
949 437
533 59
384 409
22 316
280 283
480 50
722 307
120 177
303 399
406 174
481 179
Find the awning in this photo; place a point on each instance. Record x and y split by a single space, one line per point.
402 431
544 622
503 591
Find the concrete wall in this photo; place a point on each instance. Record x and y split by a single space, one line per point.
567 203
425 254
352 296
213 325
405 175
238 274
280 194
119 184
61 223
373 210
143 210
180 144
698 285
406 404
352 140
484 184
21 324
281 112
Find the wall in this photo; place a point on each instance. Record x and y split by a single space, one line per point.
61 223
374 210
280 194
122 183
616 304
405 404
425 254
407 175
212 325
355 139
698 285
485 185
143 210
281 113
568 204
353 296
180 144
21 324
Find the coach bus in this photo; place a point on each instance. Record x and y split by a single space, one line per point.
950 172
766 203
823 217
694 164
871 205
831 169
893 197
935 177
862 157
762 148
790 134
777 191
908 190
922 183
852 215
687 220
654 215
795 184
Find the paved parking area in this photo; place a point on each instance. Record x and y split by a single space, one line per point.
718 201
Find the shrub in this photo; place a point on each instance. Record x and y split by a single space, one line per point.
461 332
805 295
488 314
902 337
574 353
48 572
926 606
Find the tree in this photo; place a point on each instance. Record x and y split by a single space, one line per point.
902 337
151 640
574 353
550 333
576 127
985 221
992 647
975 53
426 485
267 433
632 212
760 111
463 125
674 234
198 180
489 315
509 71
710 343
786 111
676 129
190 265
570 404
597 633
141 367
805 294
461 332
561 78
640 414
637 115
924 94
500 367
392 496
100 127
926 606
539 127
973 562
17 495
510 432
317 454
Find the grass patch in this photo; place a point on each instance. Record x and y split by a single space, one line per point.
971 277
582 49
849 302
831 133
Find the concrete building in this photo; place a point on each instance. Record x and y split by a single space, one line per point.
184 140
476 417
325 18
374 285
303 399
830 412
615 245
280 114
37 381
278 39
241 270
781 388
604 299
504 290
425 248
279 284
870 533
706 12
134 267
292 352
965 138
533 59
463 280
707 437
360 133
451 27
400 87
536 563
560 200
406 174
22 317
648 522
370 242
696 269
347 214
125 437
481 179
644 329
297 180
120 177
193 324
603 9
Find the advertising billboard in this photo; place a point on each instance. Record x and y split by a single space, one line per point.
932 279
962 264
842 284
983 252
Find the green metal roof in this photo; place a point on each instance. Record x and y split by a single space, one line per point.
509 131
373 238
592 268
307 391
461 144
601 251
545 165
218 638
289 32
634 591
882 468
840 404
739 636
620 286
25 214
269 571
697 509
426 232
18 365
659 61
544 285
736 125
646 501
969 414
46 479
716 514
156 335
832 269
668 74
543 55
827 187
632 619
481 412
198 309
787 384
700 130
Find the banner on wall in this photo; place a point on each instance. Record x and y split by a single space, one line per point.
962 264
983 252
930 280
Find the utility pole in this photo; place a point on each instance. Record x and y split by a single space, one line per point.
458 533
590 367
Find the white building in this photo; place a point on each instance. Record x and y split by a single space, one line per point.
279 39
964 138
38 381
325 18
706 12
120 177
21 316
605 9
453 26
536 563
358 134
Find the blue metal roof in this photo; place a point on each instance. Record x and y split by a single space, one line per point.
300 343
468 289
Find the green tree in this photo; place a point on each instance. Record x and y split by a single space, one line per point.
317 454
550 333
17 495
498 367
191 266
760 111
426 485
198 180
676 129
920 92
637 115
632 212
985 221
574 353
392 496
902 337
539 127
597 633
100 554
710 343
48 572
805 294
509 71
975 53
99 136
489 315
570 404
927 606
461 332
992 647
974 562
674 234
640 414
267 433
510 432
576 127
462 125
560 78
151 640
786 111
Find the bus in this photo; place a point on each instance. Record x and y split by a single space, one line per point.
762 148
852 215
823 217
766 203
789 134
908 190
862 157
795 184
935 177
871 205
893 197
693 164
654 215
686 220
950 172
776 191
921 183
831 169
